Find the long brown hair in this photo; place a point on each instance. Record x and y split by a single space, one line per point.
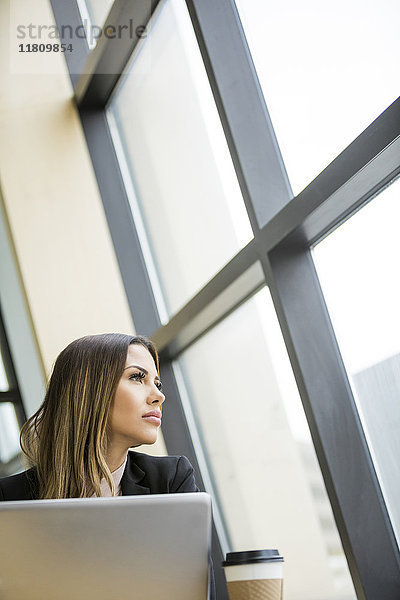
66 439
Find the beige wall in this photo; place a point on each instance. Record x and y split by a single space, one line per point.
60 235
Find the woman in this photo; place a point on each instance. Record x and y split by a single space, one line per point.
104 397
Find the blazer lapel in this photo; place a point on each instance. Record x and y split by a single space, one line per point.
131 478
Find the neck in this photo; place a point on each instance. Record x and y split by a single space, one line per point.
115 458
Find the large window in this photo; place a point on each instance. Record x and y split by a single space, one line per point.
185 153
327 69
256 437
21 373
12 414
180 172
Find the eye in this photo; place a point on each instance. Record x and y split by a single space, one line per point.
159 385
138 376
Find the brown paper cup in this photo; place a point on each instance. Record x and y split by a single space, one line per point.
254 575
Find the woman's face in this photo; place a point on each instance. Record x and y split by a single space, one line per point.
136 409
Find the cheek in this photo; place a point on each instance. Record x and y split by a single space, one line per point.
126 404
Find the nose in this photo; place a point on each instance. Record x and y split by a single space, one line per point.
156 396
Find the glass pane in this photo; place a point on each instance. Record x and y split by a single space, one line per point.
167 126
95 10
9 432
93 15
357 266
4 386
256 438
327 70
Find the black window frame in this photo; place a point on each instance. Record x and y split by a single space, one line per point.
12 395
285 228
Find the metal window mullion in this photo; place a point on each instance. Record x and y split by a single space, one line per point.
353 489
244 116
120 221
110 56
372 158
313 215
203 310
9 396
13 395
67 14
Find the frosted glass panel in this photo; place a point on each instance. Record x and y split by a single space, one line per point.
260 452
181 177
327 70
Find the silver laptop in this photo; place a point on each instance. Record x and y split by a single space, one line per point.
152 547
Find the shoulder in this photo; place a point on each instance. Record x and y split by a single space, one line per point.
164 474
19 487
159 463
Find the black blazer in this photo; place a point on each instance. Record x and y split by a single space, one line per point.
143 474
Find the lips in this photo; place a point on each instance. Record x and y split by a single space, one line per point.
153 413
154 416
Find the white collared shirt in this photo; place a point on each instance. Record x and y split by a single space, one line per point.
117 476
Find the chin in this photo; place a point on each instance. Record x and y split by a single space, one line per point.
147 441
150 442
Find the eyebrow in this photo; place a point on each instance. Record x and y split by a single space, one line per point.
145 371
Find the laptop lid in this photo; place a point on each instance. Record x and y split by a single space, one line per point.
153 547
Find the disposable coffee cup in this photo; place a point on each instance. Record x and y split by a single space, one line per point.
254 575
